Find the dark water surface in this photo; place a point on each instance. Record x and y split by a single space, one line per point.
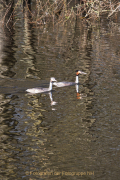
65 134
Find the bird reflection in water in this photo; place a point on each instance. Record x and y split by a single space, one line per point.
53 103
78 95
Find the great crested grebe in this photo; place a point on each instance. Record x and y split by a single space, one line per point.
42 90
62 84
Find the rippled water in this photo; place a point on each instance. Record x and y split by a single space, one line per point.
67 134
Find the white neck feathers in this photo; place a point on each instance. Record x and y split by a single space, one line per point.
50 86
76 81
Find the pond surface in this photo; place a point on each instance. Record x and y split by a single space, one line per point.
72 132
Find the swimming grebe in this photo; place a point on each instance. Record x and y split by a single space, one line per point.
42 90
62 84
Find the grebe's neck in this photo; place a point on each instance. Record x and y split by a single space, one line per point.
50 86
77 88
77 81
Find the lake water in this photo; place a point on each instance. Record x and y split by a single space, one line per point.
68 133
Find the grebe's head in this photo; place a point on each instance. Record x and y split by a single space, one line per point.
52 79
79 72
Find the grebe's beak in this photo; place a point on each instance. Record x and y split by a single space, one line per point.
80 72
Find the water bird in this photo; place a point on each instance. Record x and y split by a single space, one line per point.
42 90
64 83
